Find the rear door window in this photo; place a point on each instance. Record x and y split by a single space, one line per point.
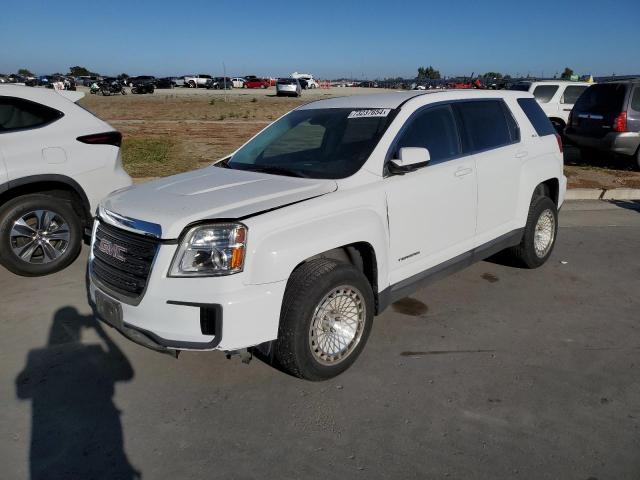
572 93
20 114
544 93
536 116
484 125
434 129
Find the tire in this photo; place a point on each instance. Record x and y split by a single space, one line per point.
311 286
192 84
62 251
526 254
637 157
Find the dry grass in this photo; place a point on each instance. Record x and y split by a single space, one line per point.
168 133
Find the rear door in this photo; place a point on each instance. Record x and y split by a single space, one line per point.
596 109
491 136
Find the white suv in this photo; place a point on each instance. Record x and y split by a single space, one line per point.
307 77
323 219
57 161
556 98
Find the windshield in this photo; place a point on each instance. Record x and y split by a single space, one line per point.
323 143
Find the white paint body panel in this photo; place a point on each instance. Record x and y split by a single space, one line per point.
556 106
430 211
53 149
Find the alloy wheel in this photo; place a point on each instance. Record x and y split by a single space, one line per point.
39 236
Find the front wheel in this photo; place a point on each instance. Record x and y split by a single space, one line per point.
39 234
325 321
539 235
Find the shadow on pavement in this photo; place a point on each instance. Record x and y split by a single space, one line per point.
75 428
627 204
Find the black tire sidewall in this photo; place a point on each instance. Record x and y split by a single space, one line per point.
17 207
300 314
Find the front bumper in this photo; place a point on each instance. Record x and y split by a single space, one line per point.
170 314
624 143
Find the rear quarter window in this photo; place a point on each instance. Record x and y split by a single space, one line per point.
544 93
536 116
21 114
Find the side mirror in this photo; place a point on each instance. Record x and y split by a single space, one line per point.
409 159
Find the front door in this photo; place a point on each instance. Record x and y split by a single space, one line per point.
432 211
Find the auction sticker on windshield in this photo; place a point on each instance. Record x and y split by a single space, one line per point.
376 112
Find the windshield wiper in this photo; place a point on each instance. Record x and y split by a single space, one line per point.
276 171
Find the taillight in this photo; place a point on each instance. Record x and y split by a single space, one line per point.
620 123
559 139
107 138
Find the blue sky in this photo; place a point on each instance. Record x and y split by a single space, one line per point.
331 39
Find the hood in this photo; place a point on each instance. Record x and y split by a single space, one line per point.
209 194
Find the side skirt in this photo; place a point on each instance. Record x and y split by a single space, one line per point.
408 286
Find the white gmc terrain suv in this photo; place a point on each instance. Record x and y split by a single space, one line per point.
314 226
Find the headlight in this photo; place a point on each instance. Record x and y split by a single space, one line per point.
211 250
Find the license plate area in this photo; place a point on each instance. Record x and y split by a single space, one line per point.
110 311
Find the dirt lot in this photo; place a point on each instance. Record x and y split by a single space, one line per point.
178 130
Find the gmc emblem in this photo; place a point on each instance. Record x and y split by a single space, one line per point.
113 250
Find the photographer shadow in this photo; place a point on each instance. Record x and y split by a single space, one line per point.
76 431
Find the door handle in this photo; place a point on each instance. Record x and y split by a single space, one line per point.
461 172
521 154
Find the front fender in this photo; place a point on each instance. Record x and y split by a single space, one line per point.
276 250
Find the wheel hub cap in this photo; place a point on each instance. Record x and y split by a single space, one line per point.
544 233
40 236
337 325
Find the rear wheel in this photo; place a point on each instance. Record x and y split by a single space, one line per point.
39 234
539 235
326 318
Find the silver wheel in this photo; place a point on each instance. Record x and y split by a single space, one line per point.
337 325
40 236
544 233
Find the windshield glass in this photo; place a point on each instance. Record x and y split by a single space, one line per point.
323 143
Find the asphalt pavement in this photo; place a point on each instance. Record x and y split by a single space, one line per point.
492 373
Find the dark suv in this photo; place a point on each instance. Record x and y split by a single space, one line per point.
606 117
